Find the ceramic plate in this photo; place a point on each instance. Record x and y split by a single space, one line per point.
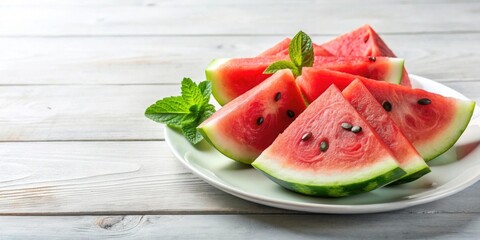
452 172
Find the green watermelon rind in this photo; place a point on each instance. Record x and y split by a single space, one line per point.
416 169
212 75
386 172
225 151
412 177
396 70
435 147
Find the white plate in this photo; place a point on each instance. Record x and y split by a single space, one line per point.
451 172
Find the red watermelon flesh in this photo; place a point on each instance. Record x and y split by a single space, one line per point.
432 129
348 163
365 104
244 127
314 81
281 48
232 77
363 41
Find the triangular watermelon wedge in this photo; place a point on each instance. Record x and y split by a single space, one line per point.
232 77
365 104
363 41
244 127
317 155
431 122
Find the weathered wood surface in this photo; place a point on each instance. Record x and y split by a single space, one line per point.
233 17
378 226
165 60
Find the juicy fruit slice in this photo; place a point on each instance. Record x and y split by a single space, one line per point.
314 81
432 128
316 156
281 49
232 77
365 104
363 41
431 122
243 128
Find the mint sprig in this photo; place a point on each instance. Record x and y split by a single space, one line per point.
185 112
301 55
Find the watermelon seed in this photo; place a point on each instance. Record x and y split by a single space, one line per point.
346 126
290 113
260 120
324 146
306 136
278 95
372 59
387 106
424 101
356 129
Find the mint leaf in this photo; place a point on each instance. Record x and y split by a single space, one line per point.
191 134
206 89
301 55
190 92
170 110
185 112
301 50
276 66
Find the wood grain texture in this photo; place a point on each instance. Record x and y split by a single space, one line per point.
52 178
166 60
378 226
97 112
46 18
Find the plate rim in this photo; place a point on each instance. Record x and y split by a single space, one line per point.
323 207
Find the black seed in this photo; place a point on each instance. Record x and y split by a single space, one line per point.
372 59
290 113
260 120
387 106
346 126
306 136
424 101
278 95
356 129
324 146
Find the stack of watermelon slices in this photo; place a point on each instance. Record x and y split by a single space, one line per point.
361 130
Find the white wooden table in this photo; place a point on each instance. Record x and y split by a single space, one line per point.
79 160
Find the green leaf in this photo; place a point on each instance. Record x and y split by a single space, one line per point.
206 89
207 111
191 134
170 110
191 92
185 112
301 50
279 65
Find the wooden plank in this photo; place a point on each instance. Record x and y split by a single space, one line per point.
378 226
160 60
53 178
231 18
105 177
90 112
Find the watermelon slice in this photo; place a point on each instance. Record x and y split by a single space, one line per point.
281 49
432 128
232 77
363 41
243 128
314 81
409 159
315 155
